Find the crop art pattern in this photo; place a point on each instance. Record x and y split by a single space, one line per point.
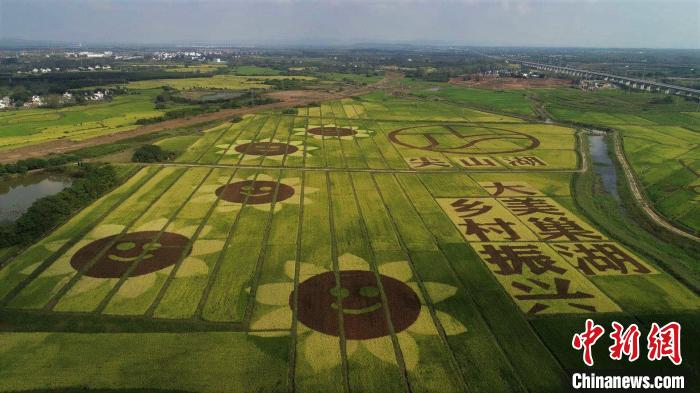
449 146
329 131
461 139
539 251
371 313
267 148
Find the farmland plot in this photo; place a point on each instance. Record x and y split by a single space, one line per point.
344 136
315 248
31 126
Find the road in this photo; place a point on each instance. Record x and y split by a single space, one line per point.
66 145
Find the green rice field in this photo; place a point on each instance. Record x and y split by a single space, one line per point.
660 142
229 82
365 244
31 126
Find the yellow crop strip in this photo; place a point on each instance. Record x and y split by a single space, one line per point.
546 276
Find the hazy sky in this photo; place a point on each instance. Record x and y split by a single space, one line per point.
591 23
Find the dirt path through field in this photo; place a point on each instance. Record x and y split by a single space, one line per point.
503 83
288 99
646 205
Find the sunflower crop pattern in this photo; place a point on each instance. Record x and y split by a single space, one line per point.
367 244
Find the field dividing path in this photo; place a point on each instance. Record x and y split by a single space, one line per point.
641 199
66 145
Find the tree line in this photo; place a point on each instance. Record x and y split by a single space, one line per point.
93 181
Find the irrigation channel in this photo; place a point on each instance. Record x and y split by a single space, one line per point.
602 163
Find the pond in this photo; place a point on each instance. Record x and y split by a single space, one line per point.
18 193
602 163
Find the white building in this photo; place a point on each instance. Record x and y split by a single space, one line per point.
5 102
34 102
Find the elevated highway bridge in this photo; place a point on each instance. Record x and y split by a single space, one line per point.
620 80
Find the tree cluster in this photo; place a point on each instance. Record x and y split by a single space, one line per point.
52 161
94 180
151 153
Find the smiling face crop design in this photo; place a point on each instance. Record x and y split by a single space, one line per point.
153 250
266 148
332 131
257 191
364 316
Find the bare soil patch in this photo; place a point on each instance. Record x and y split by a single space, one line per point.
292 95
498 83
288 99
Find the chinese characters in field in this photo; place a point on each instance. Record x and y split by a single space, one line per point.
540 252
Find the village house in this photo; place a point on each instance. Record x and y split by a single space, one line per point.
34 102
98 96
592 85
5 102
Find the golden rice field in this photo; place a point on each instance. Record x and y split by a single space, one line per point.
366 244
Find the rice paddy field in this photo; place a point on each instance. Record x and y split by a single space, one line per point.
660 141
509 101
181 67
228 82
31 126
25 127
368 244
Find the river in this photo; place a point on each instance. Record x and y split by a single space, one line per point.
602 163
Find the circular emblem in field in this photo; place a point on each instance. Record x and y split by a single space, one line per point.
266 148
332 131
364 316
154 251
256 191
463 139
